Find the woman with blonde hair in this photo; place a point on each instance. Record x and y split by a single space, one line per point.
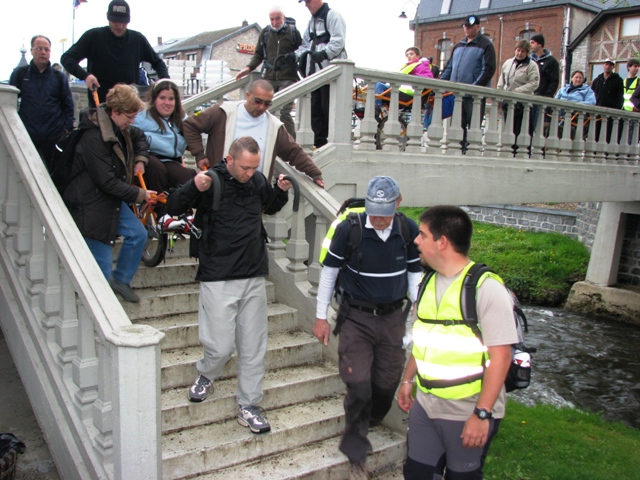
107 157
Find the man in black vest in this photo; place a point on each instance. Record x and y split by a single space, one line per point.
325 39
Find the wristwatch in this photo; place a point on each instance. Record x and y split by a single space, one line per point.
482 413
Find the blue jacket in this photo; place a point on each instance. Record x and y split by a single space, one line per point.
582 94
472 62
170 144
46 106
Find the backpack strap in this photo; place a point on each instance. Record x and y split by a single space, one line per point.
22 73
217 189
468 305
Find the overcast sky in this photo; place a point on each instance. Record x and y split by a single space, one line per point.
376 37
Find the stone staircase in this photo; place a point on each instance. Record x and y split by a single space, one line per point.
303 394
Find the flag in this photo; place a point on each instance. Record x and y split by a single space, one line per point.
77 3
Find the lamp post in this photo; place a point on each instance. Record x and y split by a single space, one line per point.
416 20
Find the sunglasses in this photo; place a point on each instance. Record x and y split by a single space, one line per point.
260 101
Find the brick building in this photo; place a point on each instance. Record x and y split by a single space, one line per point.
613 33
504 22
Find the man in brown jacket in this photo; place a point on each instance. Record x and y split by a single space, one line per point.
224 123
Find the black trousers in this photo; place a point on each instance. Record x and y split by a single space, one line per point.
371 364
320 116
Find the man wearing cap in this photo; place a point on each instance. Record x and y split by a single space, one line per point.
473 61
378 268
609 90
113 53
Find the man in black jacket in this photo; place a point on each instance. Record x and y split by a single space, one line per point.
609 90
275 41
113 53
233 263
549 75
46 106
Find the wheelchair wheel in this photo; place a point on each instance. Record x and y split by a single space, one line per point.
156 246
154 250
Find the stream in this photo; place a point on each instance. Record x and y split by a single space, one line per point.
590 364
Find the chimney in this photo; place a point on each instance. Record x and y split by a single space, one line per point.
245 23
159 40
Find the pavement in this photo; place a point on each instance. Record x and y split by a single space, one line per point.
17 417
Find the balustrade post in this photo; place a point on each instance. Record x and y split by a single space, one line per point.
538 140
564 152
137 450
553 143
435 132
590 144
577 149
297 247
315 268
454 131
66 329
304 134
391 127
508 138
341 102
523 140
414 129
277 231
85 365
102 408
474 135
50 294
601 145
492 134
368 124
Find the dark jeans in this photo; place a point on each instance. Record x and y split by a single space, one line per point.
467 111
163 175
46 148
371 365
285 112
320 116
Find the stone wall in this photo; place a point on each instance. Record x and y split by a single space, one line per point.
580 225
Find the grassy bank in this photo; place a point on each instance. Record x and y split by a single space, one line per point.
539 267
549 443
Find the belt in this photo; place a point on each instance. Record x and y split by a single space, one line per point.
379 309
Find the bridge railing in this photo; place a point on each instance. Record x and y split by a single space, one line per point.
92 377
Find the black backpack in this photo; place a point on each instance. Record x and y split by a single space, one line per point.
63 159
519 374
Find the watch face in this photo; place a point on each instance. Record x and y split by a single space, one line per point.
482 413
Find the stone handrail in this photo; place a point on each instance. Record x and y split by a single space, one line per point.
71 341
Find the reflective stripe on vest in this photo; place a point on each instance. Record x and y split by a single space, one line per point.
326 243
407 69
627 105
448 352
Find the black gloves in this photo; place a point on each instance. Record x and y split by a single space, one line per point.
289 59
318 57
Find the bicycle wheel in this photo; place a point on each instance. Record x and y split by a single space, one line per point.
156 245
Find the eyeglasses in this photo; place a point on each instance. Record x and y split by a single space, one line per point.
260 101
130 116
42 49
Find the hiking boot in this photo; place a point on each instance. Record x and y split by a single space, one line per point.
357 471
253 417
124 290
200 389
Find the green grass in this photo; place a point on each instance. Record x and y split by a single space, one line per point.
549 443
539 267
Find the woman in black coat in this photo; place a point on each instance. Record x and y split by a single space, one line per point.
107 157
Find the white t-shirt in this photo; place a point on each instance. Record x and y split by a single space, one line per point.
248 126
495 317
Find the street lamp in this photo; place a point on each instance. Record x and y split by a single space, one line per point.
416 20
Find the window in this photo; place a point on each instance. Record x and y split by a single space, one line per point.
484 3
630 27
446 7
192 56
527 34
444 47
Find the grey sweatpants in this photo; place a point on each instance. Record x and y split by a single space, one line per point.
233 315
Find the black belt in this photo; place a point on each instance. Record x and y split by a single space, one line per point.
379 309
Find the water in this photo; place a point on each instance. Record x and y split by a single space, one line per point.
591 364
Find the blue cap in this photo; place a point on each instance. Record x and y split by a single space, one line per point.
382 194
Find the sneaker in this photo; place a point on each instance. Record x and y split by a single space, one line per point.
357 471
124 290
201 388
253 417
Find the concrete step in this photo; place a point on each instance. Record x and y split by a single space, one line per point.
181 330
171 300
213 447
321 461
283 350
282 387
176 271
